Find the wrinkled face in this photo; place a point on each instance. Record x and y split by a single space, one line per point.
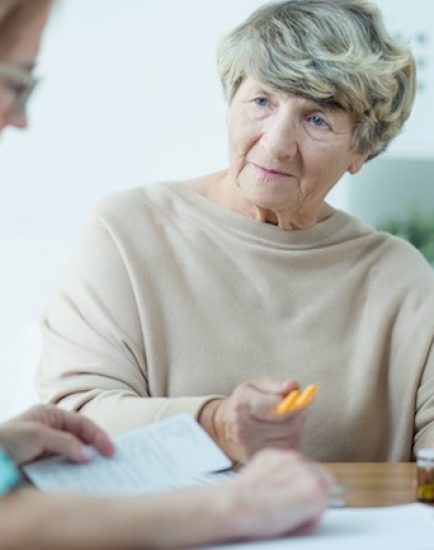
22 55
287 152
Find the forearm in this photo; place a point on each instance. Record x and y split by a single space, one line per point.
118 412
187 518
29 519
424 418
33 520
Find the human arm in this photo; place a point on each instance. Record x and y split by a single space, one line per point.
98 352
48 429
245 422
278 493
424 418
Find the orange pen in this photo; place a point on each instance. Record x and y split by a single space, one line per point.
296 399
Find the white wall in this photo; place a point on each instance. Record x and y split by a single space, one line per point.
129 96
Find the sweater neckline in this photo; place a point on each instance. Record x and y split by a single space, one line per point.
326 232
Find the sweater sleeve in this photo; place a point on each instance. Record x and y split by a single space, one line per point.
424 420
94 356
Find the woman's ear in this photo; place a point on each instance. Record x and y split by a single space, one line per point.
357 163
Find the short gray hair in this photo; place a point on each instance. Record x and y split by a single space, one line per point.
332 51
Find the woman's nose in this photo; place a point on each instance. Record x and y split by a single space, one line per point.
280 136
17 120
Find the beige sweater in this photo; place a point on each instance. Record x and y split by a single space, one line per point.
173 299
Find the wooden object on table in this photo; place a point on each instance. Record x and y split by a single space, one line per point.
375 484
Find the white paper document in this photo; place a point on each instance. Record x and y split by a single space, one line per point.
406 527
169 454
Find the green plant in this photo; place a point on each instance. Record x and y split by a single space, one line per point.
417 228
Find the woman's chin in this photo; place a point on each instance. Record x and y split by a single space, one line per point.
266 195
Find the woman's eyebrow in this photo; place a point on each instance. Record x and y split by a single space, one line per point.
28 66
263 90
329 105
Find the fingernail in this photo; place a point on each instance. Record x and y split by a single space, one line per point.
337 497
87 453
337 502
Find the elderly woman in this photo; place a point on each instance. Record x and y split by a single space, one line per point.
221 294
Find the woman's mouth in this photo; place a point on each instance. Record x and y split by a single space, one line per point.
270 173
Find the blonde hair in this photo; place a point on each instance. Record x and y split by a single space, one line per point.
15 13
336 52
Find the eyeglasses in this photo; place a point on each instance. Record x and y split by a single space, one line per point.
20 84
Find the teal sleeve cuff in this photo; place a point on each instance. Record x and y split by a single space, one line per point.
10 476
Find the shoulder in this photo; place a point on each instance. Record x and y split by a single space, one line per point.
395 252
137 211
399 269
388 249
122 227
387 260
134 202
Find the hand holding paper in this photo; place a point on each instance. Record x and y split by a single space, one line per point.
161 456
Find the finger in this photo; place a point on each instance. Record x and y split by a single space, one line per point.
103 443
35 413
325 477
269 395
276 428
281 444
263 407
261 438
266 412
278 387
273 458
64 444
86 430
307 527
74 423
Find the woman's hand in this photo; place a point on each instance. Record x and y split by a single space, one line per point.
245 423
277 493
47 429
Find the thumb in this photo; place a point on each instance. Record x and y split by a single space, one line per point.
277 386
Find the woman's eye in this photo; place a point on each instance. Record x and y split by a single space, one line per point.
16 89
318 121
261 101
